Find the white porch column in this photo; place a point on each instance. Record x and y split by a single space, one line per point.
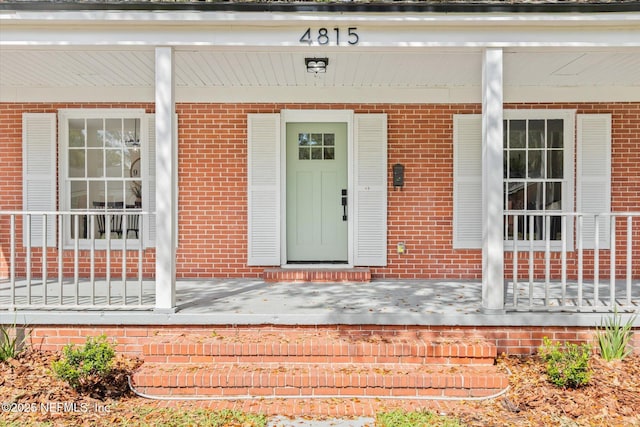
492 192
165 182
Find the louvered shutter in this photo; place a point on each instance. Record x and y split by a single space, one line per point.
149 173
594 174
467 181
263 189
370 186
39 173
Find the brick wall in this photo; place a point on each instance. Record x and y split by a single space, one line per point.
130 339
213 181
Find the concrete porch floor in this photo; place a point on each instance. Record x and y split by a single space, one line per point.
254 302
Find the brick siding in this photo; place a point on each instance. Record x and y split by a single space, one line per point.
213 183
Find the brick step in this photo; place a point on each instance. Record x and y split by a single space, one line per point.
318 380
317 275
258 347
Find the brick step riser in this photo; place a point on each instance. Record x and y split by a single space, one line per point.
318 392
376 353
320 359
317 276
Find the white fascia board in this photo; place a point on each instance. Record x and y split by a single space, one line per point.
236 29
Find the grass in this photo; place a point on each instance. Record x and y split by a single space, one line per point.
176 417
399 418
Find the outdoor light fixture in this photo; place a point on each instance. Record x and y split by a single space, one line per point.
316 65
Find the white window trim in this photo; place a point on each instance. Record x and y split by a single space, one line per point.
63 145
569 181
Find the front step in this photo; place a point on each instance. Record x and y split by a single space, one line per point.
318 380
323 364
317 275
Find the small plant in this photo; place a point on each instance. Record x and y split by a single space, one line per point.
400 418
10 346
81 367
567 366
614 337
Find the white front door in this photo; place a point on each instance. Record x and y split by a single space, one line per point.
316 186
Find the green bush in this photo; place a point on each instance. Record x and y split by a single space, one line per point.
614 338
567 366
78 366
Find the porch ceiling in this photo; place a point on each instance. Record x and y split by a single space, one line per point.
366 69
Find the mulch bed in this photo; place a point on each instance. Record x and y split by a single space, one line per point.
30 394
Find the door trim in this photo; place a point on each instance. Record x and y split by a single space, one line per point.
293 116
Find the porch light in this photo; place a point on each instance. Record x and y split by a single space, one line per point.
316 65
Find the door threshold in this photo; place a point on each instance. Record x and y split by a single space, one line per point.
316 266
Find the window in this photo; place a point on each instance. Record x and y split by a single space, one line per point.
101 157
534 176
316 146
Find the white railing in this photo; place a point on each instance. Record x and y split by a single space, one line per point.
72 267
550 269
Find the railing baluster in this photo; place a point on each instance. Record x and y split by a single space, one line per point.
612 267
596 261
531 260
28 256
547 259
563 231
12 265
44 258
108 254
125 218
92 273
629 257
60 253
76 256
515 260
140 236
580 260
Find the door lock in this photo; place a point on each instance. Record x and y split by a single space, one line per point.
344 204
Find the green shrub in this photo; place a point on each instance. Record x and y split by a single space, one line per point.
567 366
614 338
10 344
78 366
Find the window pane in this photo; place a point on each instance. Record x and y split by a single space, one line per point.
95 167
316 153
113 134
536 164
515 198
78 195
516 164
131 128
329 154
76 163
76 133
115 194
329 139
134 193
96 193
517 133
536 133
555 134
316 139
95 133
303 139
554 195
555 164
113 160
304 153
505 134
535 196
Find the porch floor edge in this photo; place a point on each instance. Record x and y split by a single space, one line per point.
163 319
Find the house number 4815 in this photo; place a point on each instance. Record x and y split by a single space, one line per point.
325 36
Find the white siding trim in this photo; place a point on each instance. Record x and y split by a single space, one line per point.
370 190
467 181
263 189
39 173
594 174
